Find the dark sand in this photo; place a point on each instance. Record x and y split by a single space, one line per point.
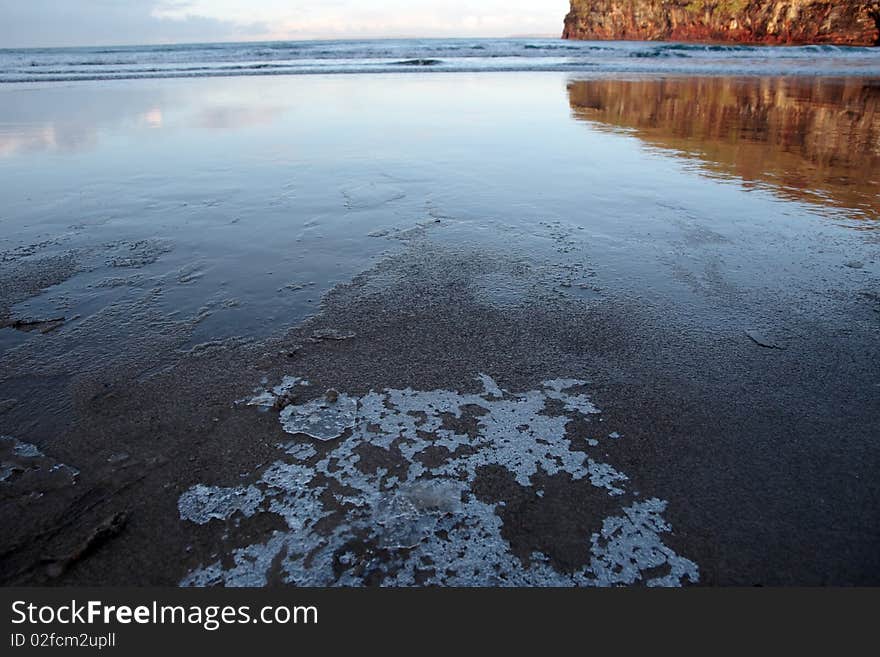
767 456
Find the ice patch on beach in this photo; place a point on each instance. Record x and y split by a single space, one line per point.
268 398
18 457
26 450
321 419
201 504
382 491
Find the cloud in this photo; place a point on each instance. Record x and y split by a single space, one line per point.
378 18
43 23
120 22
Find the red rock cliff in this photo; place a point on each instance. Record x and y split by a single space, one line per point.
840 22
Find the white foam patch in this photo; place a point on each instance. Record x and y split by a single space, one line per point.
422 524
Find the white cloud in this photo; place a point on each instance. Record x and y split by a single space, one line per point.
94 22
287 18
108 22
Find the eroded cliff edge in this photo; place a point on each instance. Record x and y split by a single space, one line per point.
839 22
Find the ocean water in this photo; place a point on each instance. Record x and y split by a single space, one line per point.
699 225
244 199
434 55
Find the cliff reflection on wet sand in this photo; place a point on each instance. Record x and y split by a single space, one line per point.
815 140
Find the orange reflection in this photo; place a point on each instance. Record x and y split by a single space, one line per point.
815 140
27 139
232 117
153 118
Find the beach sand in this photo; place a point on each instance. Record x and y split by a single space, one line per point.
488 337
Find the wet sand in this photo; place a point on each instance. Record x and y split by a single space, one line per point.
545 402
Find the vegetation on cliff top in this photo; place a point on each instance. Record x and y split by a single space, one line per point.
724 6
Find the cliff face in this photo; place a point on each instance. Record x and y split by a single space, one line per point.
840 22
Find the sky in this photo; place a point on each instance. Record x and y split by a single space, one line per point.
42 23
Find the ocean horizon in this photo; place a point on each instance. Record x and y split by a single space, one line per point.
435 55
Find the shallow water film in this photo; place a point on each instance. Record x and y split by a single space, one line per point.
542 328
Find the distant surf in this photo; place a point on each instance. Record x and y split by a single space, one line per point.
427 55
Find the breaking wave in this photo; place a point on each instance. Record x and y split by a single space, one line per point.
434 55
